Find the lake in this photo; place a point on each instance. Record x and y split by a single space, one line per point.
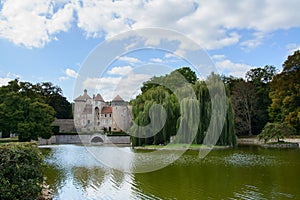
239 173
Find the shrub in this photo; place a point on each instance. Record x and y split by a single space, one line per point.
21 174
55 130
276 131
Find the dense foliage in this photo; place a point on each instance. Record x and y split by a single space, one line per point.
261 78
180 115
21 174
24 111
250 99
285 93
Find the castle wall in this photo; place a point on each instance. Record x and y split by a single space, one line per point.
65 125
84 139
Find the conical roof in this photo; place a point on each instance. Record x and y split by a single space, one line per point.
117 98
83 97
98 97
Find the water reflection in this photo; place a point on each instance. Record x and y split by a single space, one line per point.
74 173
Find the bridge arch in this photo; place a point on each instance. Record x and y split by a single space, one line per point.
97 139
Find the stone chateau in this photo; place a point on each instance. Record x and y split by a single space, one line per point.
94 114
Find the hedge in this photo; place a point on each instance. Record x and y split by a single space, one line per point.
21 174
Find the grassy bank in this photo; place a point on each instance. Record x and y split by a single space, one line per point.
180 147
7 140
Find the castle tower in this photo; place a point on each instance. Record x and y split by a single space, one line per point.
83 111
98 104
121 115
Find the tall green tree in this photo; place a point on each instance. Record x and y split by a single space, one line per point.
260 78
10 112
285 93
54 97
230 81
23 111
37 121
188 74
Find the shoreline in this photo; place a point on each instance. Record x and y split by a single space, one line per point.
177 147
256 141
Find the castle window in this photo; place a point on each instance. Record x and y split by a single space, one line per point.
104 115
89 121
109 115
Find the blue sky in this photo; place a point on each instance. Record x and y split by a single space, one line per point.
51 40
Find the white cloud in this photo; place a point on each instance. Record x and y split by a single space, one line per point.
4 81
125 86
71 73
33 23
218 57
63 78
121 70
170 55
129 59
211 23
8 77
254 42
157 60
292 47
228 67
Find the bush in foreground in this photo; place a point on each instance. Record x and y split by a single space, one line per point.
21 174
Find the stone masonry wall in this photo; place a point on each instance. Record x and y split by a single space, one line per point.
84 139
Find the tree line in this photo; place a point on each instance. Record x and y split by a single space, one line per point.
29 109
263 99
184 111
265 96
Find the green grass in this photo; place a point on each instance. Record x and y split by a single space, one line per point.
6 140
280 142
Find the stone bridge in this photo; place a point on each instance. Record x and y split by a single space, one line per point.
85 139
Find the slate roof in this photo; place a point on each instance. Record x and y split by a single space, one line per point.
117 98
83 97
98 97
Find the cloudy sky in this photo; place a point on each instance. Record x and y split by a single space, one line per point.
48 40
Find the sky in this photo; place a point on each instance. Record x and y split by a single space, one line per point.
112 47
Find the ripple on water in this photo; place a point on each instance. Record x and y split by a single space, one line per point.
245 159
238 159
249 192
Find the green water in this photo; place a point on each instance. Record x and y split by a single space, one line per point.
241 173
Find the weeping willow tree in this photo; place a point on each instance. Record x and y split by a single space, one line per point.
142 115
220 133
194 116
